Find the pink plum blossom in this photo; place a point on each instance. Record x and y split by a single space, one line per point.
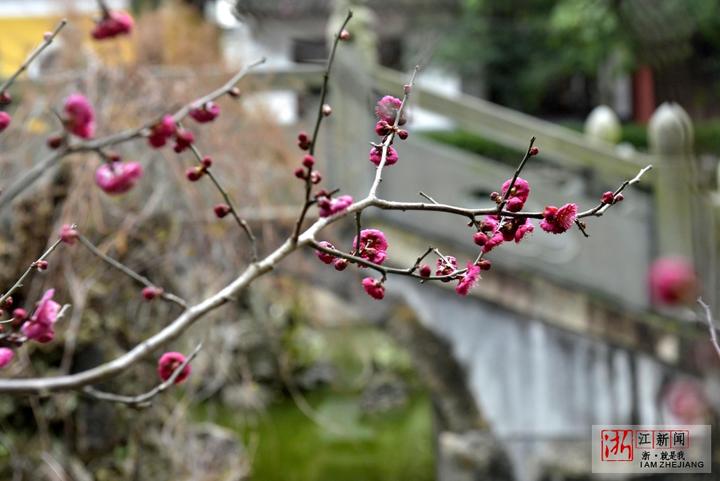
118 177
387 109
468 280
162 131
40 325
68 234
374 288
557 221
373 245
6 356
330 206
205 113
79 116
114 24
376 155
5 120
324 256
520 190
672 280
168 363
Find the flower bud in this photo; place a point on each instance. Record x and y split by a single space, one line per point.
193 174
484 265
41 265
619 198
608 197
326 110
5 98
221 210
534 151
55 141
151 292
300 173
480 238
425 270
308 161
340 264
315 177
206 162
344 35
403 134
20 314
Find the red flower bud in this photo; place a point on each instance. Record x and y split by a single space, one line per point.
302 137
234 92
193 174
207 161
221 210
608 198
534 151
20 314
300 173
619 198
403 134
340 264
41 265
150 293
425 270
55 141
484 265
308 161
480 239
344 35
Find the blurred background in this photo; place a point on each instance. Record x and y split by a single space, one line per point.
305 378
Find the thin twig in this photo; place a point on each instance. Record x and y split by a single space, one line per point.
129 272
18 284
316 129
143 400
242 223
387 142
711 325
33 55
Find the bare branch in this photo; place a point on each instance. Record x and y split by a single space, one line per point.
711 325
142 400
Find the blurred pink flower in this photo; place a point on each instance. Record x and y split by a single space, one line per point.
206 113
118 177
40 325
168 363
4 120
116 23
390 159
6 356
672 280
374 288
468 280
80 116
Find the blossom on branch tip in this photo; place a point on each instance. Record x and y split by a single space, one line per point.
114 24
468 280
68 234
6 356
387 109
118 177
40 326
169 363
79 116
373 245
376 155
207 112
374 288
5 120
324 256
672 281
558 220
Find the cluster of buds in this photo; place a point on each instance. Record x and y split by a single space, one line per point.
387 110
610 198
166 129
303 141
194 174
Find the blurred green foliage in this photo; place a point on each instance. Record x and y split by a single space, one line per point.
526 50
